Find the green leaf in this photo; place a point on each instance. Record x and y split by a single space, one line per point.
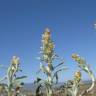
22 77
38 80
59 65
56 75
38 90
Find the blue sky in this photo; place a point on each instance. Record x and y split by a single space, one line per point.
71 23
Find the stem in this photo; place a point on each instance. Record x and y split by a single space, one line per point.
50 92
92 85
9 92
9 77
75 89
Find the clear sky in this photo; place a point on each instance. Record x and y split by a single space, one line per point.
71 23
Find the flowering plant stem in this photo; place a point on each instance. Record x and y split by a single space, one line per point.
84 66
92 85
46 65
13 82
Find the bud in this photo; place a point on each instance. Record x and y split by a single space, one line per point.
78 59
15 60
77 76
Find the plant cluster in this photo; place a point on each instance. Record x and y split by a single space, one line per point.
13 83
50 70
